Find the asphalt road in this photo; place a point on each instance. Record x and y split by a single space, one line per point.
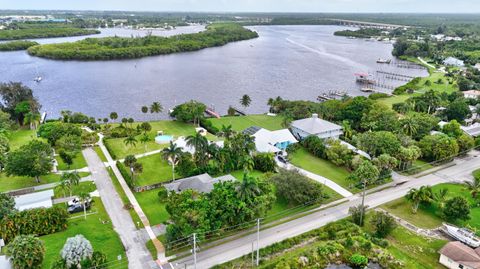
242 246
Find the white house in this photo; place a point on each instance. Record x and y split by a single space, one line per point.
201 183
316 126
472 94
458 255
34 200
472 130
272 141
451 61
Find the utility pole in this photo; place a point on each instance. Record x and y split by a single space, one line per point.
252 254
195 250
258 241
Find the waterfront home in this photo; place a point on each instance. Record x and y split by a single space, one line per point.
472 130
34 200
472 94
271 141
316 126
201 183
451 61
458 255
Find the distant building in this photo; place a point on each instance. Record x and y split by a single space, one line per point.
271 141
458 255
477 66
472 94
472 130
34 200
201 183
316 126
451 61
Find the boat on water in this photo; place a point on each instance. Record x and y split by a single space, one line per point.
463 235
37 79
364 78
366 89
383 61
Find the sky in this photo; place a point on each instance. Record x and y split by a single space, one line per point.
395 6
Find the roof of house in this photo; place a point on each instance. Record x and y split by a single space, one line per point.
472 130
5 263
265 140
34 200
201 183
472 92
453 61
462 254
315 125
251 130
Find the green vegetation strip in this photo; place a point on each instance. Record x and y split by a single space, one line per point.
110 48
44 33
17 45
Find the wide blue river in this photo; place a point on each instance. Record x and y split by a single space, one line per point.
294 62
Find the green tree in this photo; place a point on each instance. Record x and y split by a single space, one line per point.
71 179
465 143
26 252
385 164
84 199
113 116
441 197
245 101
473 186
7 205
380 118
366 173
144 139
67 157
33 160
16 94
226 131
144 109
383 224
456 208
172 154
156 107
438 147
200 144
297 189
130 141
458 110
452 129
357 213
130 161
192 111
377 143
417 196
33 119
248 188
338 154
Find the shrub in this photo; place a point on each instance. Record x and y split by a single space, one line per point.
456 208
162 194
76 250
106 143
383 224
17 45
26 251
7 205
52 131
357 214
358 261
209 126
314 145
296 188
378 95
126 175
38 221
264 162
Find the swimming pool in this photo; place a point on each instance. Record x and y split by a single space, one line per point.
163 139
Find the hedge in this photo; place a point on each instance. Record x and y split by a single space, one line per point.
38 221
126 175
109 149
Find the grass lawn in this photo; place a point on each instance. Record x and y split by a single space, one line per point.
21 137
86 187
241 123
15 183
78 162
418 167
389 101
303 159
155 170
100 154
428 216
123 196
152 207
101 236
174 128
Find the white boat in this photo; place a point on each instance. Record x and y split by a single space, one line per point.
463 235
37 79
384 61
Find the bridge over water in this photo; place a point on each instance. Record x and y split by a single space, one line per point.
369 24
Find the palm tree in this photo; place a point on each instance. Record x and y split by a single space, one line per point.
69 180
200 144
156 107
144 109
248 188
64 186
136 170
247 163
84 197
33 119
347 130
113 116
440 197
473 186
417 196
144 140
226 131
130 141
245 101
286 120
129 161
409 126
172 154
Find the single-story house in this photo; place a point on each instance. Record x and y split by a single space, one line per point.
316 126
472 94
451 61
5 262
472 130
458 255
202 183
34 200
271 141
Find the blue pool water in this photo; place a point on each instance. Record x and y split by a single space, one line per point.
163 139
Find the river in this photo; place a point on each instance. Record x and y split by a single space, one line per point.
294 62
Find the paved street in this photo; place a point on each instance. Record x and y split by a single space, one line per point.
242 246
132 239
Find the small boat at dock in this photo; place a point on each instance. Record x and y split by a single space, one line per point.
463 235
37 79
383 61
364 78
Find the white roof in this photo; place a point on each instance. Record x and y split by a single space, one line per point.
472 130
453 61
181 142
34 200
265 140
315 125
4 262
357 151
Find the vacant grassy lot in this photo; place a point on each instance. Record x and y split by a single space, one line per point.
428 216
153 208
102 237
303 159
155 170
21 137
78 163
174 128
241 123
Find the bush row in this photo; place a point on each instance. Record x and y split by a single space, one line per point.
126 175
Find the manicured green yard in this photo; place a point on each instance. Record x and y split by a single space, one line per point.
102 237
152 207
21 137
389 101
303 159
241 123
428 216
83 187
155 170
174 128
15 183
417 167
78 162
100 154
